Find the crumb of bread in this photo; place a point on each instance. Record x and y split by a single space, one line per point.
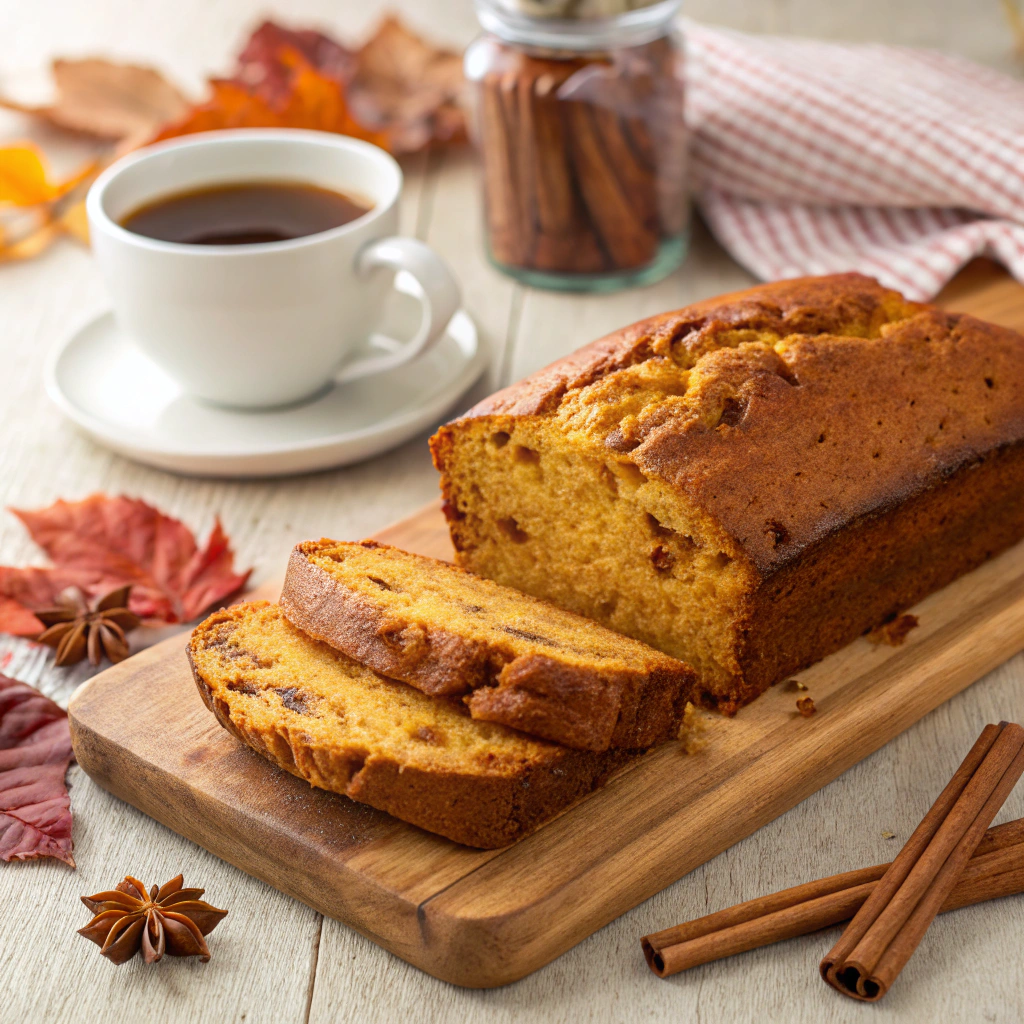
692 731
893 633
806 707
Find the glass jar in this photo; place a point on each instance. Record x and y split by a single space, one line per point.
579 124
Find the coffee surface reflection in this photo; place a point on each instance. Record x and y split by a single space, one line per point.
245 213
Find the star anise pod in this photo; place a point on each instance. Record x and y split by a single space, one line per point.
77 628
169 920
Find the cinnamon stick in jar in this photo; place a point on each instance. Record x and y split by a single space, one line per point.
517 98
656 130
627 236
501 188
565 237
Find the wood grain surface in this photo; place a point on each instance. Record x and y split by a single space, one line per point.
486 918
275 959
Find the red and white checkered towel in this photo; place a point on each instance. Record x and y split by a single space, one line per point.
812 158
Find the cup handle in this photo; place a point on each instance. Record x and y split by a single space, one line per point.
440 300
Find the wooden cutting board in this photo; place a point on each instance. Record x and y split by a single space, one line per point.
485 918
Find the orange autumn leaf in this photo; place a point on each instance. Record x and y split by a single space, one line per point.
25 179
23 176
29 242
34 210
73 221
311 100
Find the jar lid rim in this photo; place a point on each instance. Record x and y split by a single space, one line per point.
641 25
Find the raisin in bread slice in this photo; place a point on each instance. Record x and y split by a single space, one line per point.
517 660
344 728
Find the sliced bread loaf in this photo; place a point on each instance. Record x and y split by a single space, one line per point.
752 482
342 727
518 660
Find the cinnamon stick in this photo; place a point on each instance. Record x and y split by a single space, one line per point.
517 99
887 929
997 869
638 182
628 241
565 239
501 193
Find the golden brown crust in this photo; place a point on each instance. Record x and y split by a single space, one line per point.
632 704
877 567
478 811
811 305
855 450
545 697
486 802
857 427
435 661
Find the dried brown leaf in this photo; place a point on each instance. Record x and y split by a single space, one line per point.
123 103
408 88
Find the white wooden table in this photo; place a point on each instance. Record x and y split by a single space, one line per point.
275 959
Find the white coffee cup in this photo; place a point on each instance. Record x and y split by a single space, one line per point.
269 323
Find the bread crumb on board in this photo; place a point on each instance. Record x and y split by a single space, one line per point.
805 705
893 633
693 729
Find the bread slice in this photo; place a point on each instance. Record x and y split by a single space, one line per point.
342 727
519 661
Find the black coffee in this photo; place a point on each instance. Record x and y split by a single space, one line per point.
244 214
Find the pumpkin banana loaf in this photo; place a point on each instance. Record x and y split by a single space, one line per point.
749 483
518 661
342 727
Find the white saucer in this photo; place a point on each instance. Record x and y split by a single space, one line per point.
105 385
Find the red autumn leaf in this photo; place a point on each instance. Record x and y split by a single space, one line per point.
35 751
260 68
101 543
17 619
22 590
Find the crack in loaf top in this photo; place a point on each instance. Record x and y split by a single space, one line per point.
788 410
